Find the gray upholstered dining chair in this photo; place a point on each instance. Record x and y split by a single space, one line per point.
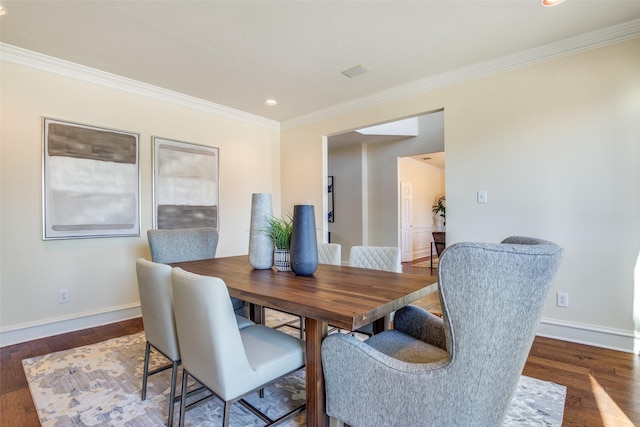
330 253
187 244
460 370
156 304
229 361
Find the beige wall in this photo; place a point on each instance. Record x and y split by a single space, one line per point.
345 164
556 145
100 273
427 183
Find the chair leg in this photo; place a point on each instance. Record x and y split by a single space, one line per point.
172 393
183 398
227 412
145 373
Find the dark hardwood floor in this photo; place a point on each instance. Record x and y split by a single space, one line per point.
603 386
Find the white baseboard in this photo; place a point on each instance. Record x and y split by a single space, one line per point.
61 325
611 338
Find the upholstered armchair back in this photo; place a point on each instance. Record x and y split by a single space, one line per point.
492 297
185 244
461 370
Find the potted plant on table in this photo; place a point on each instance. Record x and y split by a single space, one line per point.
280 229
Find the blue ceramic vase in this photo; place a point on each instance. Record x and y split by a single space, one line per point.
304 246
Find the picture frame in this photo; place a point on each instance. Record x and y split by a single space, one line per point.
186 184
90 181
330 201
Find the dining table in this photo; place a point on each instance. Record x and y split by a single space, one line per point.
341 296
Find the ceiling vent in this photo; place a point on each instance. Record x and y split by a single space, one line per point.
355 71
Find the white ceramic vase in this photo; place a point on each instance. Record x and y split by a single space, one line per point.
260 243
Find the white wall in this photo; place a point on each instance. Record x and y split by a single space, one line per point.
555 144
100 273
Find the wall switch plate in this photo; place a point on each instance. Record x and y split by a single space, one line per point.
482 196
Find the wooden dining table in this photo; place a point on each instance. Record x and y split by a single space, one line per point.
340 296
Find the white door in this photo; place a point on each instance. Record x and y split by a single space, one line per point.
406 202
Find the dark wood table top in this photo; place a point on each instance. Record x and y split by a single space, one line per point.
347 297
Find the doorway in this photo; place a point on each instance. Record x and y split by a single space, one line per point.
366 172
425 174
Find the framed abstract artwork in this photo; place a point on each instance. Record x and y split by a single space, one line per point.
90 181
186 186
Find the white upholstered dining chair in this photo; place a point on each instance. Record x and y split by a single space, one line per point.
384 258
156 304
229 361
330 253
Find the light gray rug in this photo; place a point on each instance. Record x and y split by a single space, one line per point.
99 385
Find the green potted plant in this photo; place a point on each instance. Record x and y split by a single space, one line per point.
280 229
439 209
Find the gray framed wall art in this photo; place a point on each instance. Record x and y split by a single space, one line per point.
186 186
90 181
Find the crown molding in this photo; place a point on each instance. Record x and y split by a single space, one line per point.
606 36
50 64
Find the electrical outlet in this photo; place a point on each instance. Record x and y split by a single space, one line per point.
63 296
563 299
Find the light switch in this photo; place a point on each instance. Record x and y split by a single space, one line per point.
482 196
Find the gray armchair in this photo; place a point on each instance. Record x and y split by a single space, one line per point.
187 244
460 370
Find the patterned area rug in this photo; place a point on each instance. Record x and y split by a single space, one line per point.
99 385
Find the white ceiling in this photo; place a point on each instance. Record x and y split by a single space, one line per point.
239 53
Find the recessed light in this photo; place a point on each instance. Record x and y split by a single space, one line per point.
549 3
3 11
271 102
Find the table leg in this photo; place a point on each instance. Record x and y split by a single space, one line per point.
381 324
315 331
256 314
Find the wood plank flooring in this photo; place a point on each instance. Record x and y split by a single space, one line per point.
603 386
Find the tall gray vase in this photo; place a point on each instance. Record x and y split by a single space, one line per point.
304 246
260 243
